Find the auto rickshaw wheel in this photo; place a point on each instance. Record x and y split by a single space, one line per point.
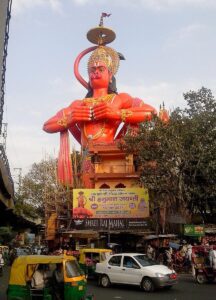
201 278
104 281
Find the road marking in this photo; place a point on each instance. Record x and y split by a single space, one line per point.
118 297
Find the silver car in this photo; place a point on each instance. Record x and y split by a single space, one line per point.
135 269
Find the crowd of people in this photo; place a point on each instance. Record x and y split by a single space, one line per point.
177 256
180 257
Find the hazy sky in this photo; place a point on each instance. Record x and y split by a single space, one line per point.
169 46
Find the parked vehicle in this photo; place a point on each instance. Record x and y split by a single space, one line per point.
135 269
88 257
73 284
203 269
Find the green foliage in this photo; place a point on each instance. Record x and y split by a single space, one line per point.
40 186
177 160
31 193
201 152
6 234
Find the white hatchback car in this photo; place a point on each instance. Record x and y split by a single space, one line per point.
135 269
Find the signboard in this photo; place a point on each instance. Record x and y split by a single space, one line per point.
109 224
194 230
110 203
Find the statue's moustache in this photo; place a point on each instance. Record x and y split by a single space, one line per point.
95 76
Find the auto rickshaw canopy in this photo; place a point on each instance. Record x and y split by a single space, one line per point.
85 252
18 274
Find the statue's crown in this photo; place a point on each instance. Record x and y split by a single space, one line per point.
101 36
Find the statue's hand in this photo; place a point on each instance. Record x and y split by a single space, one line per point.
105 111
80 113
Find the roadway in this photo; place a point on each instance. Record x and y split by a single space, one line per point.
186 289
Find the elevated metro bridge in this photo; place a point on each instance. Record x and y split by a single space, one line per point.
6 182
7 215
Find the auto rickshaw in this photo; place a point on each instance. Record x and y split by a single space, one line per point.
202 268
22 273
89 257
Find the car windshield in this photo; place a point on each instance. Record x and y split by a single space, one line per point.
144 261
73 269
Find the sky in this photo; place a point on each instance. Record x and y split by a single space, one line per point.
169 46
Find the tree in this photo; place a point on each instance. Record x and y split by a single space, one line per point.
201 152
177 160
30 196
6 235
40 186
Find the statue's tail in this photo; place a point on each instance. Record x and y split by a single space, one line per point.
65 171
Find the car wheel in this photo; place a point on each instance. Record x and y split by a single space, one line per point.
201 278
147 285
104 281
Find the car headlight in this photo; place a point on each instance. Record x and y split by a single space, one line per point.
159 275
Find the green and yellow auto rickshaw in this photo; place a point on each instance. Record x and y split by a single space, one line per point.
90 256
22 273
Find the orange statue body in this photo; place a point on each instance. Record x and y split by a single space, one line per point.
97 117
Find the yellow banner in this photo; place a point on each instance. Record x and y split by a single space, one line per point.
110 203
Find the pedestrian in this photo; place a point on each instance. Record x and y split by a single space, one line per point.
168 257
58 282
188 254
212 257
150 252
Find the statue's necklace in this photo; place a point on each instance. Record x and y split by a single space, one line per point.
106 98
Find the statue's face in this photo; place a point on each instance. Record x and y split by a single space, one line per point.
99 75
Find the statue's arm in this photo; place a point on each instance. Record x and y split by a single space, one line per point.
136 110
126 109
68 116
138 114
